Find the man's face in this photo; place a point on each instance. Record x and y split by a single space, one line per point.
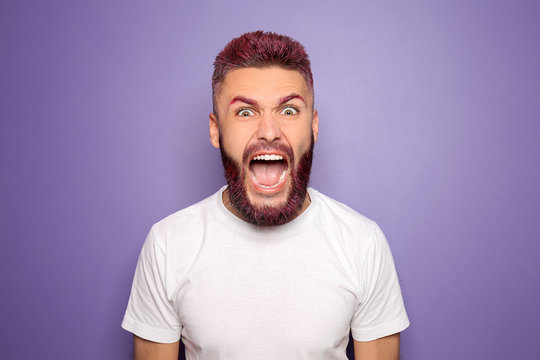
265 131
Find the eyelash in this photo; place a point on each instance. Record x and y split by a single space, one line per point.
292 107
284 108
244 109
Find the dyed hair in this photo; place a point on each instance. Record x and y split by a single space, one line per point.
260 49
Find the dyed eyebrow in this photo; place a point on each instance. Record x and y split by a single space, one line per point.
244 100
283 100
252 102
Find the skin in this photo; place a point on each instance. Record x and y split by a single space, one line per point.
254 105
149 350
386 348
269 105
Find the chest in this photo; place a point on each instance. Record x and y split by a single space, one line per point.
241 297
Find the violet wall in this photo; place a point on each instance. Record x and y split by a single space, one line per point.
429 124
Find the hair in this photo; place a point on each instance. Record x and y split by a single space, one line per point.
260 49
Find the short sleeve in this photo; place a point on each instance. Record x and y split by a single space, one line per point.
150 314
381 311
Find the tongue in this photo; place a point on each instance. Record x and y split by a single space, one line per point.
267 172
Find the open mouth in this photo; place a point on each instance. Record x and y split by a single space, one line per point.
268 171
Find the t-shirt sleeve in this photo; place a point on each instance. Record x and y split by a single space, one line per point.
150 314
381 311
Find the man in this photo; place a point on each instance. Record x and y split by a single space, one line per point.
265 268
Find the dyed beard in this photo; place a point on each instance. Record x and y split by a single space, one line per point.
268 215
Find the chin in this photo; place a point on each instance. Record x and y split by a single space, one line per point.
260 200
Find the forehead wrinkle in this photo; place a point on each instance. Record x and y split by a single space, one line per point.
239 85
289 98
244 100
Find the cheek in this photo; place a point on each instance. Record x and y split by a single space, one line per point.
301 139
299 128
234 141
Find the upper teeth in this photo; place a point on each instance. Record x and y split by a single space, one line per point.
268 157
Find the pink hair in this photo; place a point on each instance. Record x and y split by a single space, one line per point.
260 49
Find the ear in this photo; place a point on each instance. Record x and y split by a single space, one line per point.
214 130
315 125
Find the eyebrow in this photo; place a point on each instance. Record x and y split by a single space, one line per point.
283 100
244 100
252 102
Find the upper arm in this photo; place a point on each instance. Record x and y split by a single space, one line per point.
151 312
149 350
380 310
386 348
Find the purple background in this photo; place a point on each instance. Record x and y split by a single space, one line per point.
429 125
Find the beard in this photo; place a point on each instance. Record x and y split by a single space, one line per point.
266 215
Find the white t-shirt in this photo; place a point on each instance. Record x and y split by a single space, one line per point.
232 290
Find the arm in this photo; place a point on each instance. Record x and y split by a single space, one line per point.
149 350
386 348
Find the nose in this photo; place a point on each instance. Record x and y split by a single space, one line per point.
269 129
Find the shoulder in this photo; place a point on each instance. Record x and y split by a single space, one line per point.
178 239
338 214
183 231
187 219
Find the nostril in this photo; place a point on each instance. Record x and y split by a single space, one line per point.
269 130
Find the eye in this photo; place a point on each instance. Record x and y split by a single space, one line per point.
245 112
289 110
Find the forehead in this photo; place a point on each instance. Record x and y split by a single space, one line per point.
263 83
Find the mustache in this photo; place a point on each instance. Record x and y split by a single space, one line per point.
269 148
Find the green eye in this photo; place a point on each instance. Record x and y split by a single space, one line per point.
245 113
289 110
